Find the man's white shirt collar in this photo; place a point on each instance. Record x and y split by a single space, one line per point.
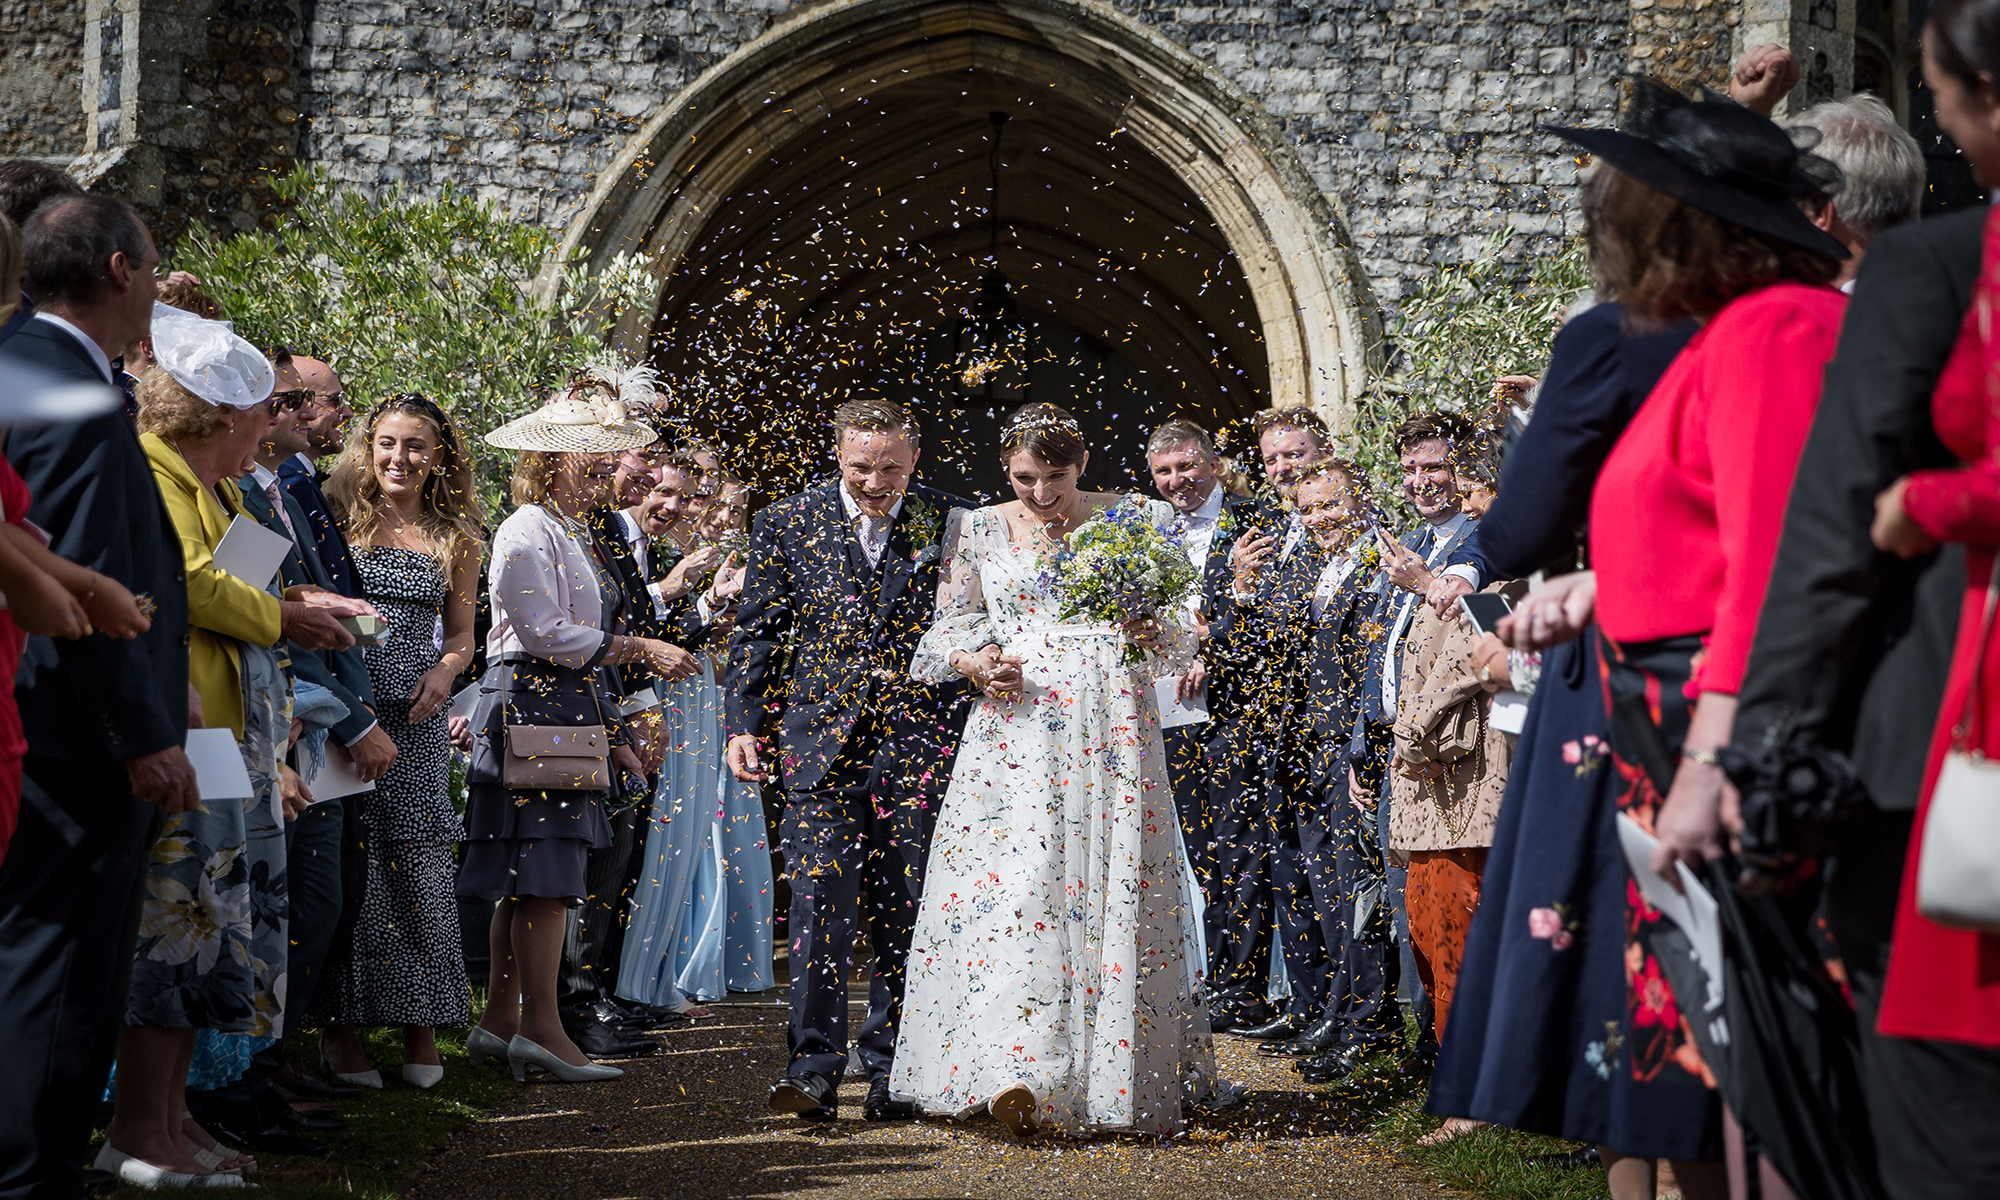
1210 511
264 476
96 351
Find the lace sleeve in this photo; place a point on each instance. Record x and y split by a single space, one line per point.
960 621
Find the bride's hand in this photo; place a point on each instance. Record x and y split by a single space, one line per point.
1143 632
996 675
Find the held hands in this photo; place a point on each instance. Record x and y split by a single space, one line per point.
1552 614
1893 531
745 757
996 675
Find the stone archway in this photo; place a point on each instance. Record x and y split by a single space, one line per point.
1150 208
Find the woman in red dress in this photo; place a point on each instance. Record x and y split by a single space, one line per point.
1941 983
1702 220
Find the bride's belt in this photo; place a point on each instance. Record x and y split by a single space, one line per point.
1074 629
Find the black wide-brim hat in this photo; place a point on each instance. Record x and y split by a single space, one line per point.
1720 157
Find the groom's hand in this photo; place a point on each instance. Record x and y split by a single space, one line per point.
745 756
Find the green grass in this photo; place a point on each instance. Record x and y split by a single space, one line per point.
388 1132
1490 1162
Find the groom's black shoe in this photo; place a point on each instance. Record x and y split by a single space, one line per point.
879 1107
1223 1018
1284 1025
1318 1038
811 1096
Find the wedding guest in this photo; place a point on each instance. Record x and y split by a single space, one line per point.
594 945
1451 766
322 422
1339 838
1931 1069
1289 438
410 512
1881 169
554 600
104 716
1743 256
1187 472
24 184
203 408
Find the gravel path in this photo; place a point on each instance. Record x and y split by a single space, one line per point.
691 1123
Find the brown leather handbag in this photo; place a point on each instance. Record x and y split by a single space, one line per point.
557 758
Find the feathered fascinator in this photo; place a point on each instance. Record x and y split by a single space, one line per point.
207 358
1715 155
591 415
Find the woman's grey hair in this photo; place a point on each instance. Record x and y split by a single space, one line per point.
1882 163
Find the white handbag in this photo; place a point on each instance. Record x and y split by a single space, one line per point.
1958 872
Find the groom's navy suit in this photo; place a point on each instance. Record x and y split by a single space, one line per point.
821 654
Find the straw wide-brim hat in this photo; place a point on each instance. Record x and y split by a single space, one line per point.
571 425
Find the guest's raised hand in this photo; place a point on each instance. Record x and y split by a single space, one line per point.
669 661
1247 559
1762 76
1893 531
1404 566
697 563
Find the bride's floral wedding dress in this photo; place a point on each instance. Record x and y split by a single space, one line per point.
1056 943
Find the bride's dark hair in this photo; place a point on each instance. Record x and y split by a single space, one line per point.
1045 431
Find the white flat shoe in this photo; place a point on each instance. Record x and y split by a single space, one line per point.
142 1174
481 1045
419 1075
525 1056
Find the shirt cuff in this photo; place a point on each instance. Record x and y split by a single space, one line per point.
372 727
1465 571
701 608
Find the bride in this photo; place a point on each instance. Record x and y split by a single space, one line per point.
1052 976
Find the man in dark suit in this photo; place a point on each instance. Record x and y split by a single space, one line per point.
1852 653
25 184
1435 563
842 584
1187 471
322 423
105 719
655 478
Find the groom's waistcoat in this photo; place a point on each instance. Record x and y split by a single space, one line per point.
823 638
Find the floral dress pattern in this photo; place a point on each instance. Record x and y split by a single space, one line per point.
1056 944
213 927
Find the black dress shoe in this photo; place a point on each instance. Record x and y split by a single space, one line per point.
241 1122
1224 1017
316 1122
879 1107
308 1086
640 1017
810 1096
1278 1028
602 1039
1318 1038
1586 1157
1334 1064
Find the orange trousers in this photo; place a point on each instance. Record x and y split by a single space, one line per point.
1442 892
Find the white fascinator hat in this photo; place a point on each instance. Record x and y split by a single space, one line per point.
207 358
590 416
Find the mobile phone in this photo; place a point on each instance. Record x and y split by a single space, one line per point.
1484 610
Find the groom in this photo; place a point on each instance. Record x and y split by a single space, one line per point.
842 583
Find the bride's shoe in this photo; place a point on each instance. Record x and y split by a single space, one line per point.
525 1056
481 1045
1015 1108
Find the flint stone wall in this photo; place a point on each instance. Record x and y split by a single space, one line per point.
41 59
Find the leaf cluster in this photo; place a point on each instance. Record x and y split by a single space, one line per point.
1461 329
445 296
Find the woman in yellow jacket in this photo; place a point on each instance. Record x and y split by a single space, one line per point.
212 934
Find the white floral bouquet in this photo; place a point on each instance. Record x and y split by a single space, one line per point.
1118 567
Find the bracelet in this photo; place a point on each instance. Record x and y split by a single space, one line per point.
1707 758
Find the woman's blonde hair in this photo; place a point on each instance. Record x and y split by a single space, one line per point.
450 521
10 267
171 412
534 473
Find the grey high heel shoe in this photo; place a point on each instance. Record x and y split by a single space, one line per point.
481 1045
525 1056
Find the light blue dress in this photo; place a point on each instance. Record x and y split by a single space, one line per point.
700 923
